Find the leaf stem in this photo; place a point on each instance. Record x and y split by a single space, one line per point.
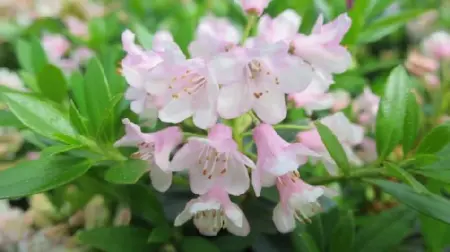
283 127
356 174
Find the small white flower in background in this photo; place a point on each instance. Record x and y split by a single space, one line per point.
437 45
10 79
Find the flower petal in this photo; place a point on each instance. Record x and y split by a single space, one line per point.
237 180
176 110
234 100
133 134
186 157
270 106
283 220
161 180
185 215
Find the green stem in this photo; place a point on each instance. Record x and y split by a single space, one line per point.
250 22
186 135
283 127
254 117
356 174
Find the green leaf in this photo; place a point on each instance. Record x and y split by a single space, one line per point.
38 56
343 234
197 243
116 239
58 149
358 16
334 147
40 175
303 241
412 123
23 52
52 83
386 25
231 243
400 173
38 115
96 93
377 7
384 231
391 112
8 119
435 140
160 234
78 121
144 203
144 37
128 172
30 80
77 86
427 203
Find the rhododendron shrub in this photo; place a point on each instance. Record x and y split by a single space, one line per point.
221 126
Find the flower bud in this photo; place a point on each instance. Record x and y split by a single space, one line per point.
254 7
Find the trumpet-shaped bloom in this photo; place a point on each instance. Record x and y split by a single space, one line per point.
215 161
281 28
437 45
366 107
55 46
214 211
314 97
298 200
254 7
155 148
77 27
322 48
258 78
214 35
348 134
276 157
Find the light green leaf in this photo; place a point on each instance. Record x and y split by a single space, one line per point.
128 172
144 37
116 239
358 16
391 112
23 52
52 83
39 175
384 231
334 147
58 149
38 115
8 119
343 234
96 92
78 121
197 243
427 203
38 56
403 175
436 139
386 25
377 7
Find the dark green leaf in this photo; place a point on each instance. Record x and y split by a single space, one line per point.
96 93
144 203
386 25
391 112
412 122
39 115
197 243
334 147
128 172
231 243
52 83
39 175
437 139
403 175
303 242
116 239
384 231
160 234
427 203
343 234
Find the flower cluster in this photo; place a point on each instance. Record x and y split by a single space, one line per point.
227 76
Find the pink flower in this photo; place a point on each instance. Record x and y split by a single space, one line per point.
314 97
276 157
154 148
77 27
322 48
366 107
368 150
82 55
348 134
214 211
258 78
283 27
214 35
215 161
254 7
341 100
187 89
437 45
55 46
298 200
